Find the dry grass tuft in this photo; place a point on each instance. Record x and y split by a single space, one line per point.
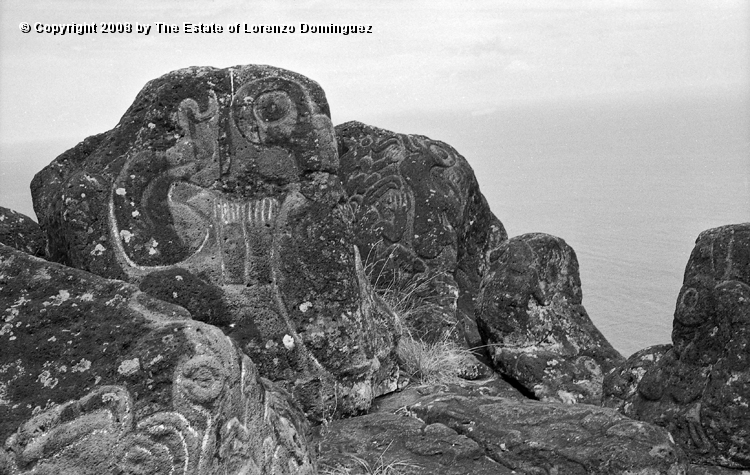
433 363
426 363
395 467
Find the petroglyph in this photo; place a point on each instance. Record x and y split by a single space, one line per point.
417 211
218 408
698 387
228 179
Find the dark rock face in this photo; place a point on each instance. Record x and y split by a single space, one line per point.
699 388
530 312
419 216
97 377
465 432
218 191
21 232
620 384
696 469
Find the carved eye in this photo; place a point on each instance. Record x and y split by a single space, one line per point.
202 379
272 106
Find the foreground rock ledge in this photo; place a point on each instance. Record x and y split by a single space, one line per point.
98 378
469 430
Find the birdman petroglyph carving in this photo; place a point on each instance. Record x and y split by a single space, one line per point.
226 188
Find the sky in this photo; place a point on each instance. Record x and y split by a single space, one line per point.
471 58
622 126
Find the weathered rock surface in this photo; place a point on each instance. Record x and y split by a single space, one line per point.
419 218
21 232
531 314
97 377
620 385
699 388
218 191
714 470
475 431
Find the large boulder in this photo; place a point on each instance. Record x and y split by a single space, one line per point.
218 191
531 314
421 223
21 232
97 377
699 387
483 430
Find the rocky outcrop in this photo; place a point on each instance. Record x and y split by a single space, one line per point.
246 234
422 224
21 232
531 314
218 191
699 387
459 431
97 377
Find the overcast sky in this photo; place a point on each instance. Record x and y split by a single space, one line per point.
468 57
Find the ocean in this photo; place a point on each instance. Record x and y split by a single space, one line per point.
628 183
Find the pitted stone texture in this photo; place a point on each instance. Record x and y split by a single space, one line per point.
405 443
621 382
531 314
536 437
696 469
388 436
699 389
419 217
97 377
218 191
468 429
21 232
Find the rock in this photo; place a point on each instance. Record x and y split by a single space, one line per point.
699 388
473 431
97 377
218 191
21 232
421 223
714 470
366 444
620 384
531 314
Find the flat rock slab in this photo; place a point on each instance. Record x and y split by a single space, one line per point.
469 429
699 387
411 394
715 470
97 377
21 232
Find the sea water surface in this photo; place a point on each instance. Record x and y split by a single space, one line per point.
628 184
